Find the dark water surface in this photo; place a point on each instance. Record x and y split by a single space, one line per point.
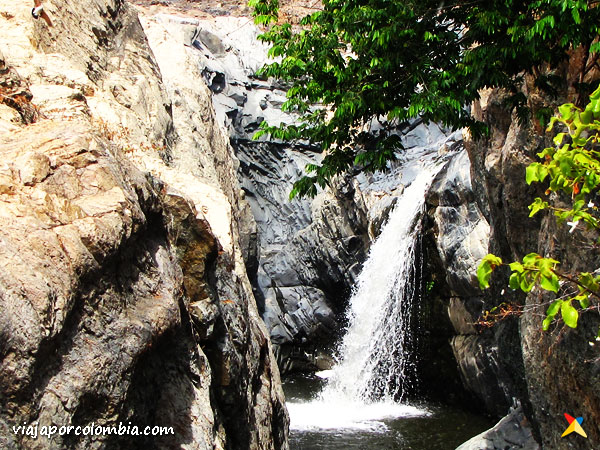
444 428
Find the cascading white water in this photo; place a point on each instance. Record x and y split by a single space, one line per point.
369 380
374 355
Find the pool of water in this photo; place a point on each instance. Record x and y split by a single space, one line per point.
316 425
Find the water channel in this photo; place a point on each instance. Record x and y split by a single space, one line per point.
361 403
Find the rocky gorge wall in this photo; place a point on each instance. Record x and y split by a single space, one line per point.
457 239
307 253
124 294
557 369
479 205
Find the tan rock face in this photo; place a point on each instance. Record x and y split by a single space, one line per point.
290 10
88 284
203 166
123 295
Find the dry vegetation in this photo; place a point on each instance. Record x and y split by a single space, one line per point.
291 10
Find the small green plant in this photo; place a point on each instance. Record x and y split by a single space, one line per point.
429 286
571 167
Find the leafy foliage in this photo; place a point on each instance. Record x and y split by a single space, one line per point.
485 269
390 61
572 167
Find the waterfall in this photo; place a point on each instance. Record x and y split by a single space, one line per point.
375 352
374 364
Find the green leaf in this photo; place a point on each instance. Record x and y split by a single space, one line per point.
566 111
584 301
513 281
530 259
553 120
550 284
531 173
537 206
569 314
402 60
493 260
554 308
546 323
516 267
546 266
526 284
558 139
484 272
485 269
535 172
588 281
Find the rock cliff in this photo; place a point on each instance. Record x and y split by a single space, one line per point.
124 237
479 205
458 239
557 369
463 226
304 255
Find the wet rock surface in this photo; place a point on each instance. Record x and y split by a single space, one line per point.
458 238
511 433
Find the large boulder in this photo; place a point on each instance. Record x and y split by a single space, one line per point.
130 300
511 433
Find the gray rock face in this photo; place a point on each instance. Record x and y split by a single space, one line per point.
460 234
490 360
310 252
511 433
317 262
551 372
462 231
